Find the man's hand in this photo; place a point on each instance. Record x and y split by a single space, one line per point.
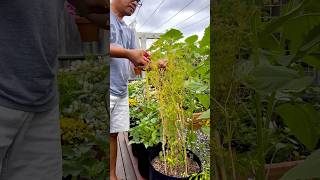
162 63
138 57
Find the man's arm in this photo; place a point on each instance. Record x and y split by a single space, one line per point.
137 56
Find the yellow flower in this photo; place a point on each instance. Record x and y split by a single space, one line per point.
132 102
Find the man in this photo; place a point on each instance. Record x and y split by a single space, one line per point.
123 52
30 147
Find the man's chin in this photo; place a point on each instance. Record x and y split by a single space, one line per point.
129 13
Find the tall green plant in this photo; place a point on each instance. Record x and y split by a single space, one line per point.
172 92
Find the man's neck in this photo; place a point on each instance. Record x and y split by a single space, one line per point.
117 13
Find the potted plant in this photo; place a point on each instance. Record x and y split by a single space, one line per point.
144 133
173 160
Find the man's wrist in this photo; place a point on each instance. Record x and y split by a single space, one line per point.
127 53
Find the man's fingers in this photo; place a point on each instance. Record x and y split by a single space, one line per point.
146 54
146 61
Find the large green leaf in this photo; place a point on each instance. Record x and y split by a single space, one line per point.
172 34
303 121
204 100
205 115
312 61
267 78
312 39
298 85
295 29
192 39
278 22
309 169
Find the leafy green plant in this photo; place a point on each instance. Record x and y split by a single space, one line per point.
265 58
83 107
187 67
146 132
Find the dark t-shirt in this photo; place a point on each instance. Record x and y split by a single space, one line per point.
28 53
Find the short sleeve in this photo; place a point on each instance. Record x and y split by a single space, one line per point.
133 40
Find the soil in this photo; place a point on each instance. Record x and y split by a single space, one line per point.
193 167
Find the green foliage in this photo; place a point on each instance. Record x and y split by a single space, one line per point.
83 91
146 132
309 169
144 115
177 88
303 122
73 131
258 72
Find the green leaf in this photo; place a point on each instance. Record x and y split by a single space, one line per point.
205 115
309 169
191 39
205 41
298 85
303 122
204 100
205 130
196 86
295 30
312 61
276 23
311 40
172 34
267 79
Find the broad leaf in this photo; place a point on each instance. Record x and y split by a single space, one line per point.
205 115
267 79
278 22
312 61
172 34
206 130
298 85
191 39
309 169
311 40
303 121
204 100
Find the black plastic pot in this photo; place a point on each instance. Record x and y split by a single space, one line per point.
156 175
142 154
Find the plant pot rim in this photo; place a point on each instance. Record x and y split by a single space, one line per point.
283 164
